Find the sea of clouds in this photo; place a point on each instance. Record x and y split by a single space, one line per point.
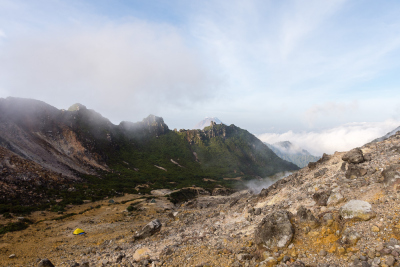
340 138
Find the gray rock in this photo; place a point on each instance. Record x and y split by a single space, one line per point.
390 174
322 253
312 165
250 211
322 197
285 259
320 172
354 156
327 217
335 198
357 209
298 264
367 157
363 258
45 263
274 231
306 216
12 256
354 171
243 256
150 229
343 167
393 242
349 238
257 211
390 260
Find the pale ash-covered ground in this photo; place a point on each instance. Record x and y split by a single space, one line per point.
220 230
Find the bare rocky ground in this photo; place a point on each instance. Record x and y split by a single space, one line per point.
340 211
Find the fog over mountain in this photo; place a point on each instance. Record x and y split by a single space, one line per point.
293 153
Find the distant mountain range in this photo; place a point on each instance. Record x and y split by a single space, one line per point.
293 153
206 122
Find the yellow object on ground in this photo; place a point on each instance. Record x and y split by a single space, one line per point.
78 231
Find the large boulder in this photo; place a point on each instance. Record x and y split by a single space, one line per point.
357 209
274 231
354 156
150 229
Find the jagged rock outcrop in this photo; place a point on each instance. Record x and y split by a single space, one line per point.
354 156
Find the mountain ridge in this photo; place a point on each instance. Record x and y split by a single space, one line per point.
86 148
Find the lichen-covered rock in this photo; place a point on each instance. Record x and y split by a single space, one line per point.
357 209
150 229
274 231
354 156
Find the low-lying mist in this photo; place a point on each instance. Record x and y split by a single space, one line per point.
256 185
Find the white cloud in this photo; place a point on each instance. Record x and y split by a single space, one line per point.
329 109
341 138
130 67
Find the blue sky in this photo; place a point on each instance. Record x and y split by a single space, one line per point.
266 66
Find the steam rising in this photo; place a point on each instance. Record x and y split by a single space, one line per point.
257 185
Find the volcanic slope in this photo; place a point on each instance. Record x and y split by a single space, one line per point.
84 147
339 211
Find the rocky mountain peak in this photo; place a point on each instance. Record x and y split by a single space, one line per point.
207 122
76 107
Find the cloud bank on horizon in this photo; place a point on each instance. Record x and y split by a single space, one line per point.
341 138
266 66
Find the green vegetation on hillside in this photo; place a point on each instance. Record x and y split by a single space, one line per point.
147 155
